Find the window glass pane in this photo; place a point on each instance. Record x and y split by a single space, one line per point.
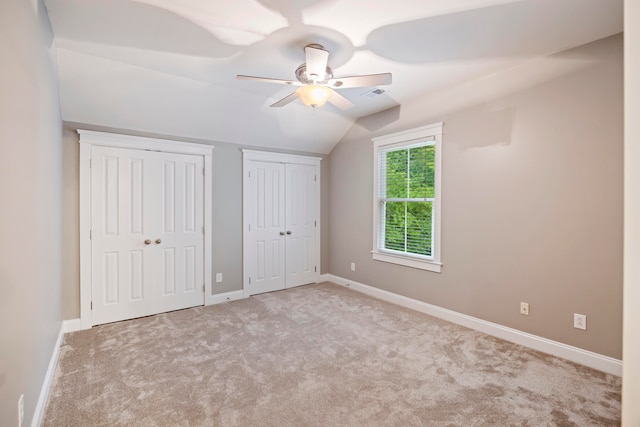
422 172
394 226
419 230
396 173
408 227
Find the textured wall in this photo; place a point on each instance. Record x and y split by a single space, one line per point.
531 203
631 354
30 205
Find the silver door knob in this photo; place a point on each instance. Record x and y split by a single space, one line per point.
158 241
147 242
282 233
288 231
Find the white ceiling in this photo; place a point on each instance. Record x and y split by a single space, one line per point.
168 67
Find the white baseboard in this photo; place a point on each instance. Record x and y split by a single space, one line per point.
224 297
584 357
38 413
71 325
326 278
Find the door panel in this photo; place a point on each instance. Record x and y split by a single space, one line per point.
140 196
169 271
281 212
190 269
301 222
266 220
118 254
135 174
168 197
111 278
182 230
137 278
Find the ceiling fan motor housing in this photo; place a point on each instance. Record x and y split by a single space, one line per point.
301 75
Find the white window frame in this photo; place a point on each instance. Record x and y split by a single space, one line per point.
432 132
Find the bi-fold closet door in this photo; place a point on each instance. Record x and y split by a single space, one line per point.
147 232
281 221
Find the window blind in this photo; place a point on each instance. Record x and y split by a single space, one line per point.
406 192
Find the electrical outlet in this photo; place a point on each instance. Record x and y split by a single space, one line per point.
21 410
353 266
580 321
524 308
218 277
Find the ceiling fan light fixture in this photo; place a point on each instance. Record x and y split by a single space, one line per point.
313 95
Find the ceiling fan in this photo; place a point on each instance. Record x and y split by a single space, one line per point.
316 82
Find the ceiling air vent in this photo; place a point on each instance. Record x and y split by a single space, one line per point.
373 92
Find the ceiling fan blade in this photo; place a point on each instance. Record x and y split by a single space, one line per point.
316 61
340 101
268 80
286 100
361 81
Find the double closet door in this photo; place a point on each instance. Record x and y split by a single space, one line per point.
281 221
146 233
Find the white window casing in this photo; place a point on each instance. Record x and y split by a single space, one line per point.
425 136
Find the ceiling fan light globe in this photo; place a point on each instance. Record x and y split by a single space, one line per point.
313 95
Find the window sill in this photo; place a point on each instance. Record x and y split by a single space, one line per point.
408 261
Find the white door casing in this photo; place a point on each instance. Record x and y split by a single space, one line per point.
161 194
281 218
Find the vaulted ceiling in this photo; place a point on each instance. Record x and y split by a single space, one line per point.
169 67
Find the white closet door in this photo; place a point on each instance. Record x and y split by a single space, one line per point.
147 233
265 213
301 214
180 232
121 262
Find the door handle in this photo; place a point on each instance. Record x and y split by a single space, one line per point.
147 242
288 231
158 241
282 233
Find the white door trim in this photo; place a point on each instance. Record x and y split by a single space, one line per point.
264 156
93 138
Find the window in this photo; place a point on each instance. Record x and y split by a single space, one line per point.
407 197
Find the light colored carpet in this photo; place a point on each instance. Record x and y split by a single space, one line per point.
318 355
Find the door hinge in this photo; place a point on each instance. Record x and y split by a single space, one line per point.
315 178
249 280
249 227
203 229
89 163
316 268
202 171
315 223
203 287
90 234
91 305
249 174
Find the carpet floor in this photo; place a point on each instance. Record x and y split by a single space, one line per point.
317 355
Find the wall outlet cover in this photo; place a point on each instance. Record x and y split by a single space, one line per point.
580 321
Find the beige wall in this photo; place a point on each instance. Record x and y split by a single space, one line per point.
30 205
631 354
227 215
531 202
